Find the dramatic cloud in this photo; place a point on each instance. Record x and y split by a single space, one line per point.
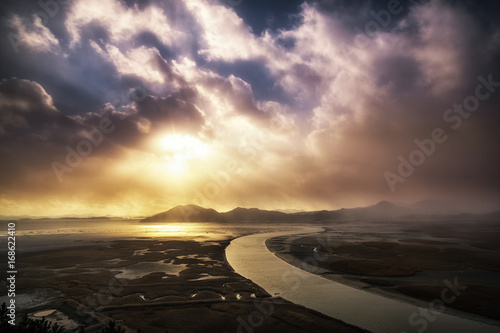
33 35
132 107
120 23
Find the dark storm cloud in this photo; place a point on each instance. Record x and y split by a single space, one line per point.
77 81
32 131
28 110
34 134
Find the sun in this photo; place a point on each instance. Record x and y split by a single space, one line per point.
184 145
179 150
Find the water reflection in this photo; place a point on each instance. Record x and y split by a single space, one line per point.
172 230
47 233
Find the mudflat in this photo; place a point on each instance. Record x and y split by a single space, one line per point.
167 285
409 260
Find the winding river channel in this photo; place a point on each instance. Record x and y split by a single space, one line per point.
250 258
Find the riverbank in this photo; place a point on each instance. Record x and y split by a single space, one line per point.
250 257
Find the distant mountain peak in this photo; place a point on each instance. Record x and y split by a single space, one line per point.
242 209
249 210
185 213
190 206
383 210
385 204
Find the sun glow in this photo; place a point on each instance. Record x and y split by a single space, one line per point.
180 149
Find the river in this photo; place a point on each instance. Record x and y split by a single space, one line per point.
250 258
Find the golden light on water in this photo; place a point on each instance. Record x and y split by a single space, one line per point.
172 230
192 230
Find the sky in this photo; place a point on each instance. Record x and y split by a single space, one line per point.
130 107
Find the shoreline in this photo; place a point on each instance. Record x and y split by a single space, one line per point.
250 257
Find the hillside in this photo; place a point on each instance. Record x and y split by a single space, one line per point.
188 213
193 213
381 211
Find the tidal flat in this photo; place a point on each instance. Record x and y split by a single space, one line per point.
154 278
412 261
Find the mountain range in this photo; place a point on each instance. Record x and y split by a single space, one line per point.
384 210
